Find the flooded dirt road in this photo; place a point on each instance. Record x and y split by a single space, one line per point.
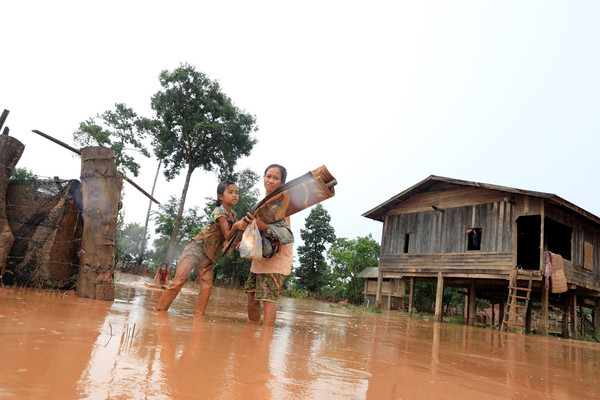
64 347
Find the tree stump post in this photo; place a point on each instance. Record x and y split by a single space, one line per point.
101 185
10 153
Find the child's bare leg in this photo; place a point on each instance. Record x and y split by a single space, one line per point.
187 262
181 276
206 278
270 313
253 308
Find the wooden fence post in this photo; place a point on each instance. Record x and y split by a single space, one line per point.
101 185
10 153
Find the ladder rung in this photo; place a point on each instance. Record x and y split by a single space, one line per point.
520 288
509 313
522 297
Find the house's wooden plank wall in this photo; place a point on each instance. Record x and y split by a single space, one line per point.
446 232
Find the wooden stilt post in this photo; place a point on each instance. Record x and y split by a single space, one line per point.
466 311
493 315
411 295
378 290
574 321
565 320
472 297
528 318
402 294
582 320
101 185
389 303
597 316
544 317
439 297
10 152
500 313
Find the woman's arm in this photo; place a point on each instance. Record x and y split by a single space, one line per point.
263 226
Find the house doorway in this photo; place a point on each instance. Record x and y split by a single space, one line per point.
528 242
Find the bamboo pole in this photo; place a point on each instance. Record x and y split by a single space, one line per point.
74 150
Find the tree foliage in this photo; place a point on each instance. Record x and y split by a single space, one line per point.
128 242
313 272
348 257
119 129
22 174
200 128
164 219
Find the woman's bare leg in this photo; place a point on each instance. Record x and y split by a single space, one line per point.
270 313
253 308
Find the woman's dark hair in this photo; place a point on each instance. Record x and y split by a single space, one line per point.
221 189
165 264
281 169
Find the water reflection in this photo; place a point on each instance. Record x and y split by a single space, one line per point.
56 347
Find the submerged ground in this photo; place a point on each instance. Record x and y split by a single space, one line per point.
61 346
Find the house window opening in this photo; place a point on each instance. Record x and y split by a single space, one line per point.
406 240
474 239
557 238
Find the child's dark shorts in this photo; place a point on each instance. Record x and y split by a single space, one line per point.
266 287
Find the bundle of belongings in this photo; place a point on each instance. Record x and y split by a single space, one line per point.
555 268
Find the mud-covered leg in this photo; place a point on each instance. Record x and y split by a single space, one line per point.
206 278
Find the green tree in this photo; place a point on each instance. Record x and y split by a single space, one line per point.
313 274
348 258
22 174
200 127
128 242
164 218
119 129
234 269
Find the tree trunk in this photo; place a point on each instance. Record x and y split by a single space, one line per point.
101 185
143 243
10 153
179 214
355 282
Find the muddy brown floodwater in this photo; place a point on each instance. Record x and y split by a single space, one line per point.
64 347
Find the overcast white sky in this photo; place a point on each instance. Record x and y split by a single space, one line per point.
384 93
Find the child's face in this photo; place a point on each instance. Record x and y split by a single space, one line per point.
230 196
272 179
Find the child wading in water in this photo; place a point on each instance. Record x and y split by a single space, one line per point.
162 274
204 249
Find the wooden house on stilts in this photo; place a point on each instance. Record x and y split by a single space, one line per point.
498 243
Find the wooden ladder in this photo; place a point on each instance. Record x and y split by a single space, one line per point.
518 301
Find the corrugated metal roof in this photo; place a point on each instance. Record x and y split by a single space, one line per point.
369 272
373 272
379 212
